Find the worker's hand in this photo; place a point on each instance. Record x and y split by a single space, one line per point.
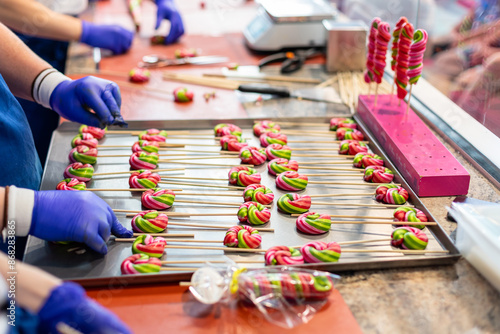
112 37
168 10
81 216
72 99
68 304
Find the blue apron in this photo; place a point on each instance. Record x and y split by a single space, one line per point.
19 163
44 121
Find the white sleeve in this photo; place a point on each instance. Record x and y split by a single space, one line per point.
69 7
20 209
44 85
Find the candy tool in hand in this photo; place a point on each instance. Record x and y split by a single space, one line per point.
326 94
155 61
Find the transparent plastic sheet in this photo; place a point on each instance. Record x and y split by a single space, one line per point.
478 236
285 296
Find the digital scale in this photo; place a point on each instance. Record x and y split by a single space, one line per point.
289 24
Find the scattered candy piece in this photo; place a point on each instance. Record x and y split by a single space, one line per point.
182 94
139 75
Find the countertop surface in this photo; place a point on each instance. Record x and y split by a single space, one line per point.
446 299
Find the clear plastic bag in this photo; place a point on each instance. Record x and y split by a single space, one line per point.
286 296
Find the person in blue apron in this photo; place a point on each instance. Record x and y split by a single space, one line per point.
50 41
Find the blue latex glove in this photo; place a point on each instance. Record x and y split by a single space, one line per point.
79 216
68 304
72 100
168 10
112 37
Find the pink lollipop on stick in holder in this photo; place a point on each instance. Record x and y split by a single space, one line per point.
370 57
395 47
405 39
381 45
416 62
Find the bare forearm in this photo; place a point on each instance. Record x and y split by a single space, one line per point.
32 18
19 65
33 286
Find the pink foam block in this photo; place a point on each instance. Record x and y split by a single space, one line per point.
426 164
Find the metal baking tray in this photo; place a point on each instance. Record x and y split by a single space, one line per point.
75 262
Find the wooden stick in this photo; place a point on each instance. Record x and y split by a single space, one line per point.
264 77
224 227
231 194
133 171
342 195
210 202
226 249
334 168
333 175
322 162
196 178
211 261
377 222
173 240
409 98
342 156
378 206
343 243
322 141
300 124
368 184
183 214
124 189
137 132
202 185
351 216
198 158
205 164
128 146
401 251
167 235
128 155
310 133
179 269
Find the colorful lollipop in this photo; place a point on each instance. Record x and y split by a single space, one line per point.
151 246
146 146
336 123
381 45
391 194
144 179
350 134
416 61
294 203
370 59
363 160
407 214
182 94
258 193
158 199
277 151
232 143
269 138
140 264
278 166
378 174
405 39
395 41
83 154
243 176
313 223
283 255
242 237
223 129
149 222
253 213
321 252
265 126
291 181
252 155
139 75
79 171
71 184
143 160
96 132
84 139
409 238
153 135
352 147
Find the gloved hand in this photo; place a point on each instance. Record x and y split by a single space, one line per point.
112 37
79 216
68 304
71 100
168 10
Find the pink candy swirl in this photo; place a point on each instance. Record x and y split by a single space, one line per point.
85 139
291 181
140 264
370 57
252 155
417 50
378 174
350 134
391 194
97 133
321 252
405 39
395 41
232 143
265 126
139 160
243 176
71 184
269 138
144 179
153 135
383 38
258 193
138 145
242 237
158 199
283 255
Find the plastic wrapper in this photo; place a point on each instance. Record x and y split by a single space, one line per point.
478 236
286 296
